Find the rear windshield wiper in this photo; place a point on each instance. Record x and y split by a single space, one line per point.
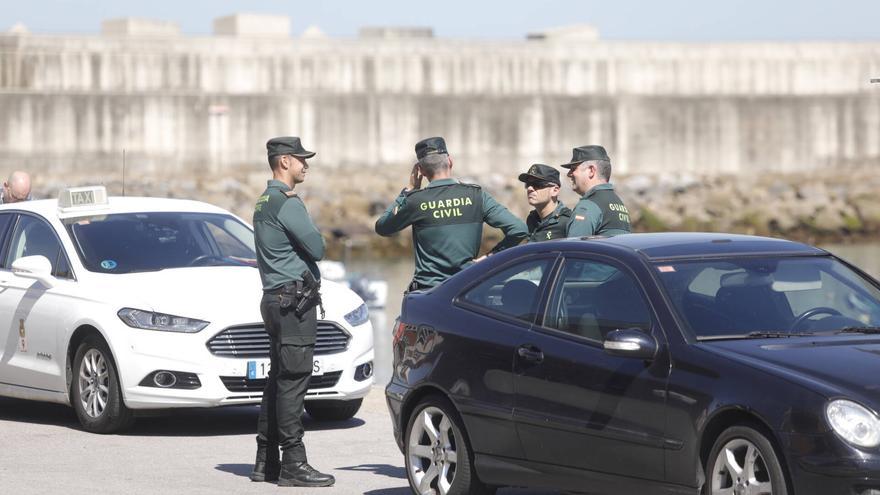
859 330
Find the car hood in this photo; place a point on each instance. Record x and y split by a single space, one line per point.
230 294
835 366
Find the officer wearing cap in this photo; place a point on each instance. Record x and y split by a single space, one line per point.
600 211
447 217
287 244
549 217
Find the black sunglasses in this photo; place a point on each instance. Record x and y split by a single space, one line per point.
538 184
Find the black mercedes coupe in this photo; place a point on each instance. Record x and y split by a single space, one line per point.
643 364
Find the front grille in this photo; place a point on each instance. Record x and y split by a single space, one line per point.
242 384
252 341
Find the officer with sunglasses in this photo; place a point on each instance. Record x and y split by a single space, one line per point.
549 218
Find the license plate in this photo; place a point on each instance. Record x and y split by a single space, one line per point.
260 369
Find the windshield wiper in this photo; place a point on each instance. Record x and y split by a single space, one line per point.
859 330
774 335
761 334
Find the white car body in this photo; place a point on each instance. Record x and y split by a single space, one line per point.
38 323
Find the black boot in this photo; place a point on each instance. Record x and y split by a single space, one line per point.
301 474
267 466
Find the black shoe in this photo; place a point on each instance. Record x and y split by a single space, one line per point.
265 471
301 474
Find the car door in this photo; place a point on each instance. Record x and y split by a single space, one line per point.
8 332
499 309
575 404
33 314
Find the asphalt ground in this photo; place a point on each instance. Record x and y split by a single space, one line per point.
43 450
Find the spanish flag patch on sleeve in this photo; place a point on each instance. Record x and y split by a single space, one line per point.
580 217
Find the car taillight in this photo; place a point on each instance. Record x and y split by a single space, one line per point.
398 332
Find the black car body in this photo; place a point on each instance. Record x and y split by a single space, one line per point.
635 364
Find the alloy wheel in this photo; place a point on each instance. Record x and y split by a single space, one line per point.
432 451
94 383
740 470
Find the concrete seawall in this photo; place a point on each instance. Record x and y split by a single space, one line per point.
73 103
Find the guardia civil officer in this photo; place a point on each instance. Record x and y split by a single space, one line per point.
288 246
447 217
600 211
549 217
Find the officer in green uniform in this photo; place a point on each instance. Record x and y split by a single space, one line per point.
447 217
600 211
549 217
287 244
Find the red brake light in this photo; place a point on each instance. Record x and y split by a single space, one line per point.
398 332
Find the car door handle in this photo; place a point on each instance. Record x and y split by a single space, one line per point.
530 353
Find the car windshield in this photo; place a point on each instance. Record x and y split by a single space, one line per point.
770 297
144 242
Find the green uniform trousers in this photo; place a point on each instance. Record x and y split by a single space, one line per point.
280 423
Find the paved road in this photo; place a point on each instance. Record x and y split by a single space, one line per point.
42 450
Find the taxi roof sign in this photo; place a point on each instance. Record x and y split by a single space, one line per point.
82 198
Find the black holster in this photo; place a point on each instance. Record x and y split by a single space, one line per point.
308 294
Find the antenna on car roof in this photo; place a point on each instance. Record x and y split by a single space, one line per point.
123 172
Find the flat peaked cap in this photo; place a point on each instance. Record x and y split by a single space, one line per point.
430 146
541 172
287 145
586 153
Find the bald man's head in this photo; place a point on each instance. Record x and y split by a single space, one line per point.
17 187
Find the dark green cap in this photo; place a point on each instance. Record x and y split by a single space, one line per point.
287 145
430 146
586 153
541 172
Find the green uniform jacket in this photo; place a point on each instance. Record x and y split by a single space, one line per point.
287 241
554 226
599 212
447 219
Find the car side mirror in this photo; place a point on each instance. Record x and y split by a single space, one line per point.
34 267
630 342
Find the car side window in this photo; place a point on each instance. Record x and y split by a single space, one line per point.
592 298
513 291
33 237
5 220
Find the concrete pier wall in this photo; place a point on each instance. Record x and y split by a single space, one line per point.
73 103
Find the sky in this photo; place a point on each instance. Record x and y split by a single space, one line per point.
664 20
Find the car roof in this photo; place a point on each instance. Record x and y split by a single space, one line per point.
115 204
678 245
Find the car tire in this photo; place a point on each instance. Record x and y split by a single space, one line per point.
96 393
333 410
743 460
431 451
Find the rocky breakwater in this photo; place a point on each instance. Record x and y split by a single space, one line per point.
812 207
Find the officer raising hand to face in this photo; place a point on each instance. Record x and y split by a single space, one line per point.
446 216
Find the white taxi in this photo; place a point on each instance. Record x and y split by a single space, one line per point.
114 305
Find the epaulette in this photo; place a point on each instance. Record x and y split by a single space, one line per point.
477 186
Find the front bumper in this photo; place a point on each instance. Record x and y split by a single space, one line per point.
825 465
223 380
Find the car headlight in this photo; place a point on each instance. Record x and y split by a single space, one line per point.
359 316
148 320
854 423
